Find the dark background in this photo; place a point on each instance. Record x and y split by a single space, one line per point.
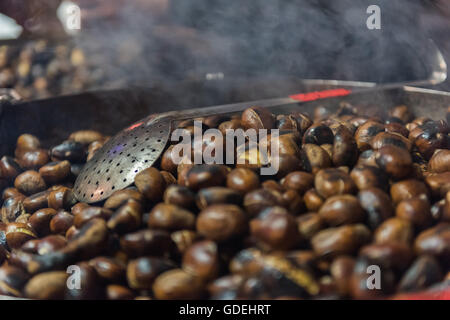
302 38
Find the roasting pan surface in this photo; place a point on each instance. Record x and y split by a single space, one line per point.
110 111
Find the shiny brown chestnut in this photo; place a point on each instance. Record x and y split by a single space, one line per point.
28 142
61 198
40 221
345 149
180 196
394 229
225 284
299 181
118 292
402 112
127 218
293 202
108 269
167 162
286 122
72 232
119 197
257 118
367 158
33 159
47 286
12 280
394 255
423 273
440 161
69 150
377 205
366 177
342 209
247 262
12 208
313 200
303 121
202 260
9 168
346 239
275 229
29 182
330 182
439 183
318 134
314 158
366 132
286 164
328 148
309 224
89 213
11 193
45 245
221 222
385 138
80 206
395 161
272 185
341 270
142 272
183 239
150 183
36 201
178 284
242 180
61 222
435 241
170 217
407 189
18 233
217 195
415 210
55 172
394 127
86 136
168 178
260 199
204 176
146 242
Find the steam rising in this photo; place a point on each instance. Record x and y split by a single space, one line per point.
307 39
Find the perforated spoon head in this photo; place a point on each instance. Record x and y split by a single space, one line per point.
114 166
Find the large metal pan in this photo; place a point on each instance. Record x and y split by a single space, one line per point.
109 111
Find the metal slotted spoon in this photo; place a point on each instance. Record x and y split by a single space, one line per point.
138 146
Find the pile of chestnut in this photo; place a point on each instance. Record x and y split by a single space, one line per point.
359 209
41 69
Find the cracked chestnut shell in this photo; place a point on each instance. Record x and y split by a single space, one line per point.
257 118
